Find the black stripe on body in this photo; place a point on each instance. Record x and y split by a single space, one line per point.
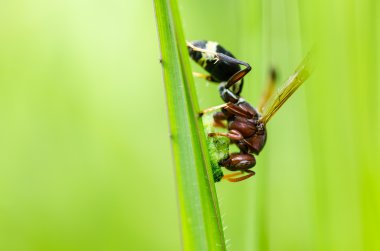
220 71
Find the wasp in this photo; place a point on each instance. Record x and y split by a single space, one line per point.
246 125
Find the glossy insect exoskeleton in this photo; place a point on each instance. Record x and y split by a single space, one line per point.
244 129
242 119
220 70
246 126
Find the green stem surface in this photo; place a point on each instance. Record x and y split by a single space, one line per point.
198 204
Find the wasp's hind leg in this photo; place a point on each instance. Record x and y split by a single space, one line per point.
229 176
238 75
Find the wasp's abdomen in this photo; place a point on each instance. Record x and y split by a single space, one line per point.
220 71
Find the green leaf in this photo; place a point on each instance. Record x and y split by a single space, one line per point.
198 204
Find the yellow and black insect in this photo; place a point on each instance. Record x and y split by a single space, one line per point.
225 69
246 125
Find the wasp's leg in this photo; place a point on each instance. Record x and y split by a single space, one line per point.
205 76
230 175
230 108
269 89
237 110
232 134
238 75
250 174
211 109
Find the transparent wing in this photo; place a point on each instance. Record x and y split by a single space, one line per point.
288 88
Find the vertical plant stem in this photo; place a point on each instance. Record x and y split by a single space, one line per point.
198 205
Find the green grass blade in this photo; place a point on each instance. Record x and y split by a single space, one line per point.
200 218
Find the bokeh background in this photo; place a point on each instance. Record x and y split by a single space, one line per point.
85 160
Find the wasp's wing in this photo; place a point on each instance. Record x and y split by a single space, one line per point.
288 88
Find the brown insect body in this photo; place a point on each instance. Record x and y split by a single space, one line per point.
252 130
246 126
244 129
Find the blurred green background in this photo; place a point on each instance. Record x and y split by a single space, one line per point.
85 160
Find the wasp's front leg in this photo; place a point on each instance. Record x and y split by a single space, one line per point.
232 134
211 109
